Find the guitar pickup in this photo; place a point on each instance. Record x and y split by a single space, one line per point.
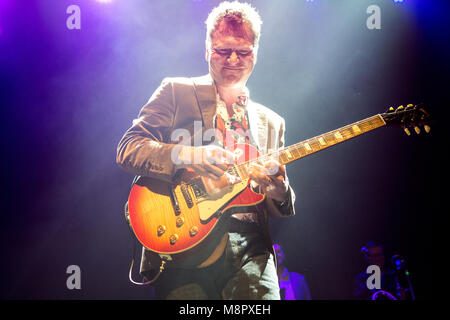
187 196
198 188
175 203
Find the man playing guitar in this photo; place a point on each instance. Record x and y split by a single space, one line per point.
243 265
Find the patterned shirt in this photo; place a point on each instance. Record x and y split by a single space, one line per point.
232 129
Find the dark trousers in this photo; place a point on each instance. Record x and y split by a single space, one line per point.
245 271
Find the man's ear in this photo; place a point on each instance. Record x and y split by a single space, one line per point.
207 55
255 55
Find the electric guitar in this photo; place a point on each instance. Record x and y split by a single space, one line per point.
183 222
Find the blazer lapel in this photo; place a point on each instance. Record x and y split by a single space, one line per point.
258 126
206 98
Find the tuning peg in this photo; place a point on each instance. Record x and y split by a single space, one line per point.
391 109
400 108
427 128
409 106
417 129
407 131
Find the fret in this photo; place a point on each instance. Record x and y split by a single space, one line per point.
284 158
307 147
338 136
330 138
243 171
288 154
364 125
299 149
297 152
347 133
360 128
379 120
368 123
356 129
303 151
242 174
373 122
322 141
314 144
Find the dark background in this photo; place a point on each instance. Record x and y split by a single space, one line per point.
67 96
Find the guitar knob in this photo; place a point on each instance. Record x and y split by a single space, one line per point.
193 231
417 129
427 128
179 221
173 238
161 229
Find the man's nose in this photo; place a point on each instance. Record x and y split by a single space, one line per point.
233 58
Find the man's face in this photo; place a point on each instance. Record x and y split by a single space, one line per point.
375 256
231 59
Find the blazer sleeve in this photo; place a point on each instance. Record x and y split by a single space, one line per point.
144 149
285 208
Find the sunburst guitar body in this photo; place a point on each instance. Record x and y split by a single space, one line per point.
183 222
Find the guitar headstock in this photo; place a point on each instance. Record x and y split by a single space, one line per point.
413 116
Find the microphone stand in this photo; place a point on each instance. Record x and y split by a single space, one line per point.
411 291
400 265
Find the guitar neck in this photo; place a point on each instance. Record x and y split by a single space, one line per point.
318 143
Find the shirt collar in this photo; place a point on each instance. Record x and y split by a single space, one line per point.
242 100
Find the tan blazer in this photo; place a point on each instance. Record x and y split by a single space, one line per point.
146 148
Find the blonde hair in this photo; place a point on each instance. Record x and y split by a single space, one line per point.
238 17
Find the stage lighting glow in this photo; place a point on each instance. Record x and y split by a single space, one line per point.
103 1
398 1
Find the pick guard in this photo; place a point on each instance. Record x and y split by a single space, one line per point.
235 196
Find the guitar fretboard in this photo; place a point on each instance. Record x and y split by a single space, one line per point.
313 145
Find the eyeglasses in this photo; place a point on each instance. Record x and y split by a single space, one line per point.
228 52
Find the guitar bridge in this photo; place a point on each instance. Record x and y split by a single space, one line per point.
187 195
175 202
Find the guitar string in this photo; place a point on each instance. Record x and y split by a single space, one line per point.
330 138
346 132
